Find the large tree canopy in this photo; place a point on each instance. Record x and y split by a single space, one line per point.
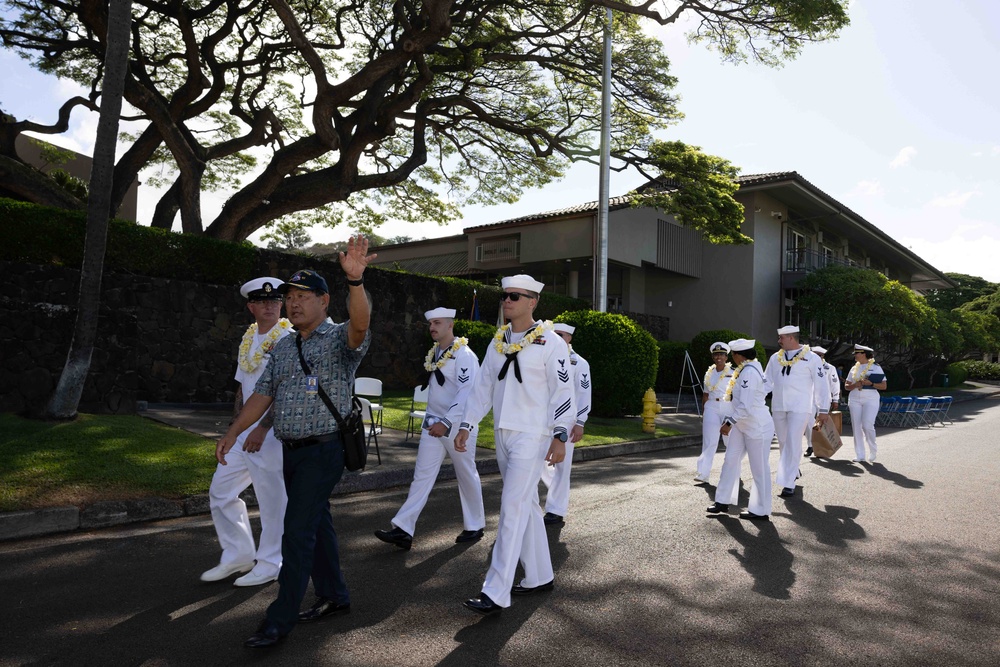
862 306
402 109
969 288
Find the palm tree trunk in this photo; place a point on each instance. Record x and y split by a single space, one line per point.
66 399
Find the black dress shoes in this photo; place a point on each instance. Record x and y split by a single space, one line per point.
809 451
551 519
754 517
267 635
397 536
322 608
787 493
483 605
525 590
716 508
469 536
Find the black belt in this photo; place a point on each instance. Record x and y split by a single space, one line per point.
306 442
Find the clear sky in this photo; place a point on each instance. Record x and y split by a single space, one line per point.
898 119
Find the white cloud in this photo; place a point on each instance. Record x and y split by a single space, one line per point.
903 157
953 199
867 189
958 254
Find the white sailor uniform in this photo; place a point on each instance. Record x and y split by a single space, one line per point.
799 391
446 399
751 436
716 409
863 404
531 394
556 477
262 468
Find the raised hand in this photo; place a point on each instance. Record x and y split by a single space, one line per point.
355 260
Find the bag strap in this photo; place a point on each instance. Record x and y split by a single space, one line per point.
322 392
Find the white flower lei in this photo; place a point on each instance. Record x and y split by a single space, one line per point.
794 360
250 364
732 381
431 365
710 388
863 374
513 348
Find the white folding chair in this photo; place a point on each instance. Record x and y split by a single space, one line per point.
366 409
417 414
371 389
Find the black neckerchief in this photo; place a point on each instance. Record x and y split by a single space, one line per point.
513 358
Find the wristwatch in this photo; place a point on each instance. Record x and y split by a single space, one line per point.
560 436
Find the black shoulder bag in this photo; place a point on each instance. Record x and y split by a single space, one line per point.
352 430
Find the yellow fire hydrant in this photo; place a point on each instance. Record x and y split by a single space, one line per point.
650 408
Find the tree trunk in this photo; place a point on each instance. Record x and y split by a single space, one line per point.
66 399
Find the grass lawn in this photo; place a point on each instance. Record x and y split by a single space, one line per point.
599 431
98 457
116 457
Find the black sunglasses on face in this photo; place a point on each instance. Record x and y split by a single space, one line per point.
514 296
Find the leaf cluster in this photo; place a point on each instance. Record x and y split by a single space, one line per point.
386 109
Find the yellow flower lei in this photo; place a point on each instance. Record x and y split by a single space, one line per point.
863 374
794 360
710 388
513 348
431 365
732 381
250 364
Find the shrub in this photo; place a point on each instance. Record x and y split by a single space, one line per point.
700 344
977 370
42 235
623 359
956 374
479 334
671 366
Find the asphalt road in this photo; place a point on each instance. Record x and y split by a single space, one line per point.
896 563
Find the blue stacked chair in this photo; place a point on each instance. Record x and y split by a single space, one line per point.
945 408
886 408
898 416
915 414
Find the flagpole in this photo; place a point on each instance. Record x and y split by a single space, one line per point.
601 236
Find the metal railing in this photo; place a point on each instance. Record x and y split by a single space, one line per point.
801 259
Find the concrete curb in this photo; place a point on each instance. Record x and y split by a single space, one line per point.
48 521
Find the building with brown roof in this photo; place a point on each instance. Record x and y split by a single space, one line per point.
657 267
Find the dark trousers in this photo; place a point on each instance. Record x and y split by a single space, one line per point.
309 545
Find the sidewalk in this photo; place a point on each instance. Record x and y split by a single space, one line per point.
398 456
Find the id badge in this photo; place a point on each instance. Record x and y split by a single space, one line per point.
312 385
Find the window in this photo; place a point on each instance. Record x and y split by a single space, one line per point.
829 256
797 249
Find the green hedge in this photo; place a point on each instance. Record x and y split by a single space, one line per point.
623 360
479 334
976 370
700 344
42 235
671 365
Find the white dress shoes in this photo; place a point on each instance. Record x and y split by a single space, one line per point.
224 570
255 578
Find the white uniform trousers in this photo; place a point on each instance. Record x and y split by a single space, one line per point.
430 456
229 512
863 406
711 422
521 531
790 428
758 450
556 479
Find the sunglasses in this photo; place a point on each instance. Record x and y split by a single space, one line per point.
515 296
